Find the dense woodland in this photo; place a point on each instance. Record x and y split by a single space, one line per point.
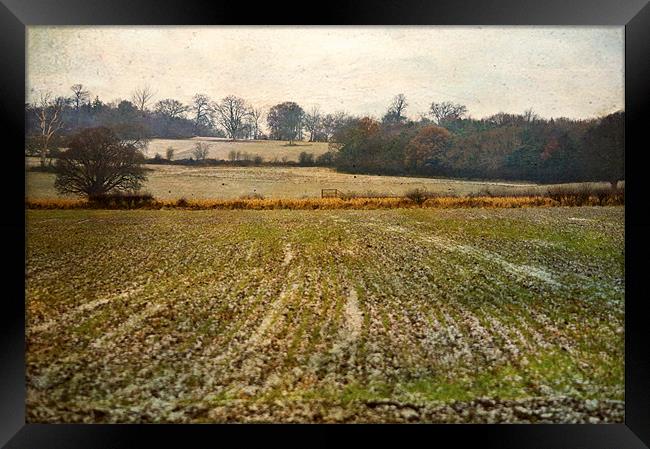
446 141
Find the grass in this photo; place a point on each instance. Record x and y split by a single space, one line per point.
253 202
245 315
170 182
219 148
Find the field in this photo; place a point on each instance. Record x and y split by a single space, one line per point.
405 315
173 182
219 148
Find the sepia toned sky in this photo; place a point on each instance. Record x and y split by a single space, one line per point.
575 72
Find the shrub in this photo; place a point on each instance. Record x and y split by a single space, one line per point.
306 158
121 200
325 159
418 196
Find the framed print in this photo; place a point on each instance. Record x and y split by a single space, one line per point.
382 213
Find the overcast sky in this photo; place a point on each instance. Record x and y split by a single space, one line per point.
575 72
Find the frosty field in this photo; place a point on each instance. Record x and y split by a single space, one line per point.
405 315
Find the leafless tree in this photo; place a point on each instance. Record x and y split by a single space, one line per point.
313 122
141 98
170 153
255 116
202 112
201 150
170 108
50 120
79 95
97 163
399 104
230 113
331 122
396 109
530 116
446 111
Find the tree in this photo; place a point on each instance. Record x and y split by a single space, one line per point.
285 121
605 149
50 120
530 116
313 123
169 153
255 121
427 146
171 112
230 113
141 98
396 109
201 150
357 143
447 111
98 162
170 108
331 122
202 112
79 95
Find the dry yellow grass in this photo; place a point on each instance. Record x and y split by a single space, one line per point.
336 203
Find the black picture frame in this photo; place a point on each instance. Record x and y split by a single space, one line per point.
15 15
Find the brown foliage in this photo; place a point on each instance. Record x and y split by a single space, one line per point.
428 144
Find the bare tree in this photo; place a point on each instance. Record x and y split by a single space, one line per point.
141 98
201 150
331 122
79 95
255 116
399 104
202 111
170 108
447 111
396 109
313 122
530 115
98 162
50 120
230 113
170 153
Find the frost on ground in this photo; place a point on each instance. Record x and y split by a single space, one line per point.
460 315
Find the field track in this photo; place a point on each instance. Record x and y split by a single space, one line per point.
404 315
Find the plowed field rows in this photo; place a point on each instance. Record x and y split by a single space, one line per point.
461 315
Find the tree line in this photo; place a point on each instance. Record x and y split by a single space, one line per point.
444 141
50 119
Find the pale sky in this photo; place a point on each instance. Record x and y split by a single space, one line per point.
575 72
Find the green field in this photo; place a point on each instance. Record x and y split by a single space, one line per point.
460 315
